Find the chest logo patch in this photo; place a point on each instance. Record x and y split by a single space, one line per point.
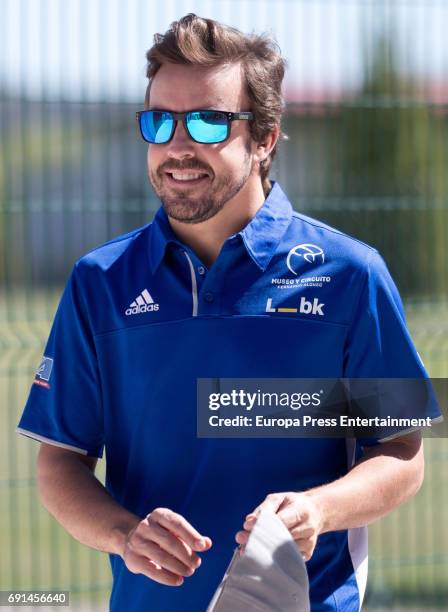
311 253
43 372
142 303
305 307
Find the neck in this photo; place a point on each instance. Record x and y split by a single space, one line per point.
206 238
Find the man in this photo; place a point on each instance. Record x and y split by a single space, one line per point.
198 293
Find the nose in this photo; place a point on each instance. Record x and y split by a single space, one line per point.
181 145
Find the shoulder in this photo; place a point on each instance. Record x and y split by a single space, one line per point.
115 252
351 268
336 245
105 276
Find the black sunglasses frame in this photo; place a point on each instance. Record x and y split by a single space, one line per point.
248 116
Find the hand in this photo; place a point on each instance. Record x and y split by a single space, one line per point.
300 514
162 547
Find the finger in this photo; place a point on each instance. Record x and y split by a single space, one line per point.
302 532
272 501
141 565
242 537
292 515
170 543
249 524
165 560
306 548
178 525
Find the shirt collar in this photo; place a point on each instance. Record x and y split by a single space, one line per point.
160 236
260 237
263 234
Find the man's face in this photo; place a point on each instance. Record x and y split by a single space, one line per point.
224 168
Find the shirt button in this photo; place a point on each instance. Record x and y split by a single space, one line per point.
201 270
209 297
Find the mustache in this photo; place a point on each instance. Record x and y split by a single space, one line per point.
190 164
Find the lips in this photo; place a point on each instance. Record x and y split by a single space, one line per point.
186 178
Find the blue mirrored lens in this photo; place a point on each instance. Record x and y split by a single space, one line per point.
207 126
156 126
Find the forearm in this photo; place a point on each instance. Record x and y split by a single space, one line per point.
70 491
385 477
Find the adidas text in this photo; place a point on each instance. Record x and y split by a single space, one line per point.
142 303
140 309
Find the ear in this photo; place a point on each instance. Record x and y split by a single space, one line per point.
269 142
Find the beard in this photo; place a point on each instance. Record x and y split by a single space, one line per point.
183 206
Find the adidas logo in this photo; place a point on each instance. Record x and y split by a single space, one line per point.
142 303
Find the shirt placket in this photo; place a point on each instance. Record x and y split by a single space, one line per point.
207 284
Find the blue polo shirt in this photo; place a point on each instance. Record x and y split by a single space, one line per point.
142 318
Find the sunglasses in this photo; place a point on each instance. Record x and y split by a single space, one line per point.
203 126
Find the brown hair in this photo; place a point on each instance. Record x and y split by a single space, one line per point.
197 41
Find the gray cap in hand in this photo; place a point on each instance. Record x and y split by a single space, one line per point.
270 576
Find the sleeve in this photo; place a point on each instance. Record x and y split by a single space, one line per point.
64 406
379 348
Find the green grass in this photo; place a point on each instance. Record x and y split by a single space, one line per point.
408 549
37 552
